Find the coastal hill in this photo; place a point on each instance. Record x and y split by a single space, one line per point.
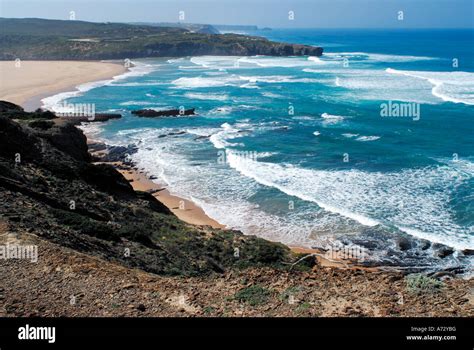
49 186
192 27
41 39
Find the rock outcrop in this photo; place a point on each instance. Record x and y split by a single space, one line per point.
164 113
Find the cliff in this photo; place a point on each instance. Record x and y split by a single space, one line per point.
39 39
50 188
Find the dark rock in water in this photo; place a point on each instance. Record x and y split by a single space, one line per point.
119 153
385 247
202 137
98 117
97 146
468 252
424 244
177 133
403 243
442 251
163 113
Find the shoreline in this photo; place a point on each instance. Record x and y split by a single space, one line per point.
184 209
29 82
192 214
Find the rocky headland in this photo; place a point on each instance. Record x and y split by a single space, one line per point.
41 39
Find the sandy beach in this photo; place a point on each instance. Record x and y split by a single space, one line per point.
184 209
27 82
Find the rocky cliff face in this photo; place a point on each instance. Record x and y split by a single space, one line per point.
49 187
30 39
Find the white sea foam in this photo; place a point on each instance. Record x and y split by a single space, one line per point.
374 84
222 110
375 57
204 82
456 87
412 199
277 79
272 95
332 117
219 139
316 60
175 60
285 62
367 138
316 133
215 62
249 86
415 199
214 97
140 103
349 135
145 83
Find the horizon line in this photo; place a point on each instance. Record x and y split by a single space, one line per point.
239 25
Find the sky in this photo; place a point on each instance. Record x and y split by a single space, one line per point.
264 13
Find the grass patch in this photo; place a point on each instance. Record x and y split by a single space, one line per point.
422 284
253 295
303 307
209 310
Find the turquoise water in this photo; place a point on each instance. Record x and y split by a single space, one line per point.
295 149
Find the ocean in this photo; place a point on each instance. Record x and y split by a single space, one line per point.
369 143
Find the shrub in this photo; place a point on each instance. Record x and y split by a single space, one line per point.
419 284
253 295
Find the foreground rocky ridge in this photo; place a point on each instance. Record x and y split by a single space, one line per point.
65 282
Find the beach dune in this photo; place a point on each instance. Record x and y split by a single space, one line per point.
27 82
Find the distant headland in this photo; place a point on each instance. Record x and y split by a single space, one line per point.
41 39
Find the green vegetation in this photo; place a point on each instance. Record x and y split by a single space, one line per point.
303 307
254 295
422 284
52 39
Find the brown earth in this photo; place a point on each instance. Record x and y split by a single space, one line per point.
66 283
